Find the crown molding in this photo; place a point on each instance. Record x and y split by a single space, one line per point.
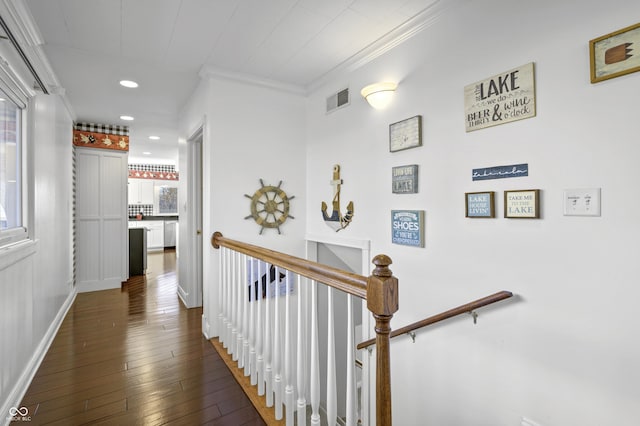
392 39
208 71
28 36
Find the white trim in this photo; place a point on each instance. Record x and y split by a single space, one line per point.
13 253
207 71
333 239
22 385
393 38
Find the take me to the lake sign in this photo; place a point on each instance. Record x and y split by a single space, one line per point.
523 204
500 99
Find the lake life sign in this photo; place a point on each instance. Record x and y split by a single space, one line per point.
500 99
500 172
404 179
479 204
407 227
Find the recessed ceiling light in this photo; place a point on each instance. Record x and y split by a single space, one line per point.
128 83
154 138
126 117
146 153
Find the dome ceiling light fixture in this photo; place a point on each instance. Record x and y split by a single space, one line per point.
379 95
128 83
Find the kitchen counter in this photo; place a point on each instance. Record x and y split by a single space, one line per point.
133 218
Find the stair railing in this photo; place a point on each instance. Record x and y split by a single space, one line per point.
467 308
249 315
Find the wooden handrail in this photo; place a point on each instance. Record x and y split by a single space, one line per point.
380 290
347 282
468 307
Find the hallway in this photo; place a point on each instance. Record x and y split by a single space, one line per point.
136 356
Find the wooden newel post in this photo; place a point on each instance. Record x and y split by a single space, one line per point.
382 301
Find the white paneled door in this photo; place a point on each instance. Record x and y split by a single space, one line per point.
101 219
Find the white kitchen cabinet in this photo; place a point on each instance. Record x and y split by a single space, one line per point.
155 234
140 191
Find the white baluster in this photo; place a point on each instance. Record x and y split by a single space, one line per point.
253 297
277 349
301 353
268 367
221 294
314 385
225 281
245 317
351 406
332 400
240 289
233 308
260 330
288 381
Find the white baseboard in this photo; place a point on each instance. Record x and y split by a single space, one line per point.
108 284
183 295
205 328
20 389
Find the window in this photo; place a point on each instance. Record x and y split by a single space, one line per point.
11 191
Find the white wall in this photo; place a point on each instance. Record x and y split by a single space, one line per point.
251 132
565 351
36 279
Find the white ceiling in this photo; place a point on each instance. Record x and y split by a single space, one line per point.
164 44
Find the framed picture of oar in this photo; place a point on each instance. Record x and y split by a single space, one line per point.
615 54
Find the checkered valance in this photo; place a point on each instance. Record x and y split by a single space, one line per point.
109 129
103 136
153 171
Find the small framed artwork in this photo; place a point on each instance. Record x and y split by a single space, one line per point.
522 204
405 134
479 204
404 179
615 54
407 227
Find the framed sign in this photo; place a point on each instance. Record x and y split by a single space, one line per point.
479 204
615 54
523 204
407 227
405 134
500 172
503 98
404 179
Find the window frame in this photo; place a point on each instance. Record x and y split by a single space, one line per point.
15 90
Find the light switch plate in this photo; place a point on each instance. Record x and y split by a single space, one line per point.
582 202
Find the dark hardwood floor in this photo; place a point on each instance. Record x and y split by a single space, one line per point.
136 356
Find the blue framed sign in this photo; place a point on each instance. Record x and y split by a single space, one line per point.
407 227
500 172
479 204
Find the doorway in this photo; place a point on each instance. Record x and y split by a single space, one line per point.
191 221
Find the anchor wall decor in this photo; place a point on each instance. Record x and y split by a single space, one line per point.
336 220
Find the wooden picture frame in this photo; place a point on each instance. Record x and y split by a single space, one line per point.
522 204
405 134
479 205
615 54
404 179
407 227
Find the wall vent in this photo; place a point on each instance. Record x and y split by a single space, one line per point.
338 100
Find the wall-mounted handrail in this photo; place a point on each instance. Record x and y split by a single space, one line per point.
468 307
342 280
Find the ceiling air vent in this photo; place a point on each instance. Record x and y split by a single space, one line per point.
338 100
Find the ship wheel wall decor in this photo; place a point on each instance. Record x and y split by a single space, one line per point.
269 206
